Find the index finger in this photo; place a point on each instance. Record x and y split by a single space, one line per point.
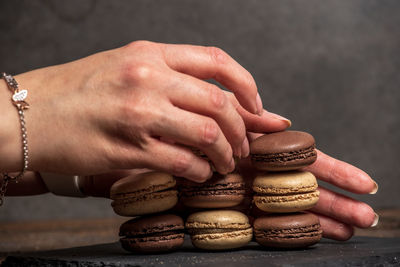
213 63
342 174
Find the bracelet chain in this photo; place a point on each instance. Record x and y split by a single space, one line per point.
18 100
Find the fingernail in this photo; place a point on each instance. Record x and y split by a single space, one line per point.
231 165
376 220
259 105
376 187
281 118
237 152
245 148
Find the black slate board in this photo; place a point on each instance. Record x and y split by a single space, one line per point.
359 251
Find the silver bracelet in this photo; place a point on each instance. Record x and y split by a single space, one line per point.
18 99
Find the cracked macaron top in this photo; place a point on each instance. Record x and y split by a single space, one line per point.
281 151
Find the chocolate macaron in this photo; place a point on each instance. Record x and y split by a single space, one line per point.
283 151
144 193
285 191
219 229
151 234
295 230
220 191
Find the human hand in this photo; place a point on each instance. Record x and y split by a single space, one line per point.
115 109
339 214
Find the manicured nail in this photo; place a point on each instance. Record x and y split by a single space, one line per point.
376 187
376 220
245 148
259 105
281 118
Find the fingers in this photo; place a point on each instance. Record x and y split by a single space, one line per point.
201 97
342 174
176 160
334 229
267 122
198 131
345 209
213 63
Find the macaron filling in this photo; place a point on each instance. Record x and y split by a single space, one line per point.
157 236
135 197
306 231
281 157
285 197
213 189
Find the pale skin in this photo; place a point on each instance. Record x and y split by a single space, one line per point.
114 113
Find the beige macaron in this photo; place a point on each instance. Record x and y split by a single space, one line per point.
219 229
144 193
285 191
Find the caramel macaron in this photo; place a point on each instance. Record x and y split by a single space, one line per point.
285 191
295 230
145 193
283 151
219 229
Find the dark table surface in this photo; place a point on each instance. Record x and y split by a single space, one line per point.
359 251
92 242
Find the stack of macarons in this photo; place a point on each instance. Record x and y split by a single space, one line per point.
148 197
282 192
217 219
227 211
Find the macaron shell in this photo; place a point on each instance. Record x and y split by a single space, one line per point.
223 241
155 233
151 224
286 191
289 203
283 151
150 203
282 183
221 191
287 231
278 142
218 219
295 241
140 184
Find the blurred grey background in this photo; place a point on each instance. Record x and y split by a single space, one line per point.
332 67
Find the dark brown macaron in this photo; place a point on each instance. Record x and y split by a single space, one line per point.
221 191
152 234
283 151
295 230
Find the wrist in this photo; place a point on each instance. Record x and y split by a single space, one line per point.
11 159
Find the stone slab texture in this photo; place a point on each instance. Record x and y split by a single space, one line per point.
332 67
360 251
